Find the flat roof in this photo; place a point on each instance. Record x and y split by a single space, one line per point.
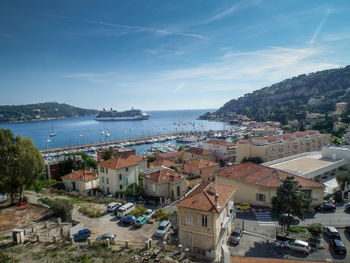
305 164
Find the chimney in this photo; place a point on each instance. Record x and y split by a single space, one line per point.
216 201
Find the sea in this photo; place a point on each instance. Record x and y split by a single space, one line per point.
85 130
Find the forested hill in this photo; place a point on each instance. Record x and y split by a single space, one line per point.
290 99
41 111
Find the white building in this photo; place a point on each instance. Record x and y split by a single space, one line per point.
80 181
222 150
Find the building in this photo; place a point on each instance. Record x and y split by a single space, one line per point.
280 146
222 150
80 181
265 131
175 156
166 163
164 183
198 153
117 153
341 106
116 174
52 167
202 168
257 184
206 218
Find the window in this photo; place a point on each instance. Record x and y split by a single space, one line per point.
188 219
127 181
120 177
260 197
106 170
103 179
102 169
126 169
107 181
121 187
204 220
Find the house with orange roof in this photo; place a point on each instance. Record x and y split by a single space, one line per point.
222 150
202 168
116 174
198 153
206 218
166 163
257 184
116 152
174 156
80 181
164 183
279 146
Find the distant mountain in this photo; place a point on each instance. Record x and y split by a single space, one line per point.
291 98
41 111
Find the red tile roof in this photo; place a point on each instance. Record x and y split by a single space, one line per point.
164 162
203 197
199 151
221 143
170 155
80 175
201 163
262 175
122 162
163 176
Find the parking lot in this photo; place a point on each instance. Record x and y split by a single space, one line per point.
253 246
109 223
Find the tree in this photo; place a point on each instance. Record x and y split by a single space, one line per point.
289 199
66 167
181 148
108 154
151 158
62 208
21 164
343 179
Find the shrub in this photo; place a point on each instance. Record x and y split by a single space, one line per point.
90 211
46 201
164 216
139 211
161 215
315 229
338 196
62 208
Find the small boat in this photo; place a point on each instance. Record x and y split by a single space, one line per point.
52 134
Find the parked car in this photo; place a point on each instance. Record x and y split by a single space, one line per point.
140 221
347 207
3 198
107 236
332 232
297 245
243 206
109 196
163 228
112 206
294 220
149 213
82 235
128 220
347 229
338 246
235 237
326 207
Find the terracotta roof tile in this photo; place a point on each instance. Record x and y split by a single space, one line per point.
80 175
262 175
170 155
122 162
203 197
199 151
164 162
201 163
164 175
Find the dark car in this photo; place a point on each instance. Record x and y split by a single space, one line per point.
326 207
338 246
294 220
235 237
347 229
347 207
332 232
128 220
82 235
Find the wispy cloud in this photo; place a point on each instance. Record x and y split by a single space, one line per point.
222 14
129 28
319 27
336 37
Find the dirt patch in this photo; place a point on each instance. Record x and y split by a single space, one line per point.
14 216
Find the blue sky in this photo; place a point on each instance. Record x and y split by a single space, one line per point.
162 54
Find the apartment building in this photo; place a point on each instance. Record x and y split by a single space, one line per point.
198 153
341 106
206 218
280 146
117 174
116 153
222 150
201 167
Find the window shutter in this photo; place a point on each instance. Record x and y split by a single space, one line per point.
199 219
257 197
209 221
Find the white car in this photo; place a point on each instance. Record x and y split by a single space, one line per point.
3 198
149 213
163 228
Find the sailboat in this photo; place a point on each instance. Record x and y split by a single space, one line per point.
52 134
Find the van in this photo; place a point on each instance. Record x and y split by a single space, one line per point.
112 206
163 228
125 209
